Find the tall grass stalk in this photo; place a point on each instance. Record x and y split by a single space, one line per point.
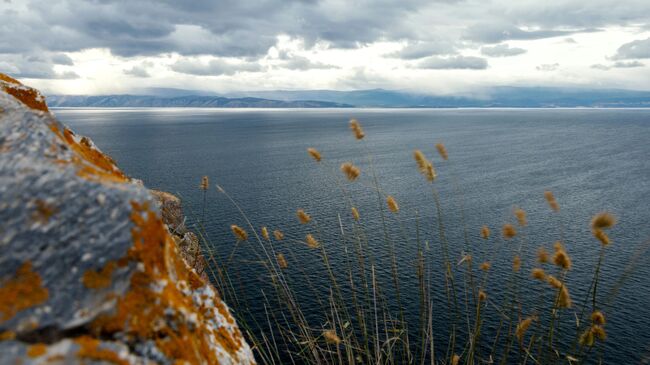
347 299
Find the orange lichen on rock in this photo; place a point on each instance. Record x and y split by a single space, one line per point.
156 307
44 211
7 335
229 343
223 311
89 349
99 279
37 350
93 164
28 96
23 291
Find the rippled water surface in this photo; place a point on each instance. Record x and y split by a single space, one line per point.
592 160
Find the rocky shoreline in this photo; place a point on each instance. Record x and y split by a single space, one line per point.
95 268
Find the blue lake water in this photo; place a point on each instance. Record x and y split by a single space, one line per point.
592 160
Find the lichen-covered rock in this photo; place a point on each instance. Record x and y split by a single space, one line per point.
171 212
89 272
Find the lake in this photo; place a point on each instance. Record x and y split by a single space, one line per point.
591 159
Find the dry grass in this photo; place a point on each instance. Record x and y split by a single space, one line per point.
357 317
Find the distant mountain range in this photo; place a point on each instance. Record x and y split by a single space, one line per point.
498 97
192 101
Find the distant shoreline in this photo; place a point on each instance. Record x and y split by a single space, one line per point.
501 97
126 108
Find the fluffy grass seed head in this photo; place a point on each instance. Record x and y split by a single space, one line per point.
265 233
564 301
542 255
509 231
355 214
601 236
356 129
522 327
314 154
303 217
521 217
482 296
455 360
279 236
282 261
351 172
425 166
538 274
442 150
516 263
311 241
485 266
205 183
420 160
553 282
485 232
598 318
239 232
392 204
587 338
550 199
430 173
562 259
603 220
331 337
467 259
599 332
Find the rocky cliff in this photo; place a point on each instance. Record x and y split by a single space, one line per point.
89 272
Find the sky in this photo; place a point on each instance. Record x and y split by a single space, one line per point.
435 47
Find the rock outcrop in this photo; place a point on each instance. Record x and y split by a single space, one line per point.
171 211
89 272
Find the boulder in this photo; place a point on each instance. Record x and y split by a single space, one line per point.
89 272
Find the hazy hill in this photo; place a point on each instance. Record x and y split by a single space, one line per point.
515 97
196 101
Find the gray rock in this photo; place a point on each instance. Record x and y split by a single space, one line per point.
88 271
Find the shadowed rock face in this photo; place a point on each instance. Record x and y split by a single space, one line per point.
89 273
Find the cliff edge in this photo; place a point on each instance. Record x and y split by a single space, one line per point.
89 272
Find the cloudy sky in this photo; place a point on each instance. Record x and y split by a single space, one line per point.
446 46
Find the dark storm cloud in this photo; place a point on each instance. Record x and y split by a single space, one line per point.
137 71
635 49
62 59
502 50
424 49
32 67
498 32
213 67
246 29
304 63
295 62
249 27
141 70
228 27
456 62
